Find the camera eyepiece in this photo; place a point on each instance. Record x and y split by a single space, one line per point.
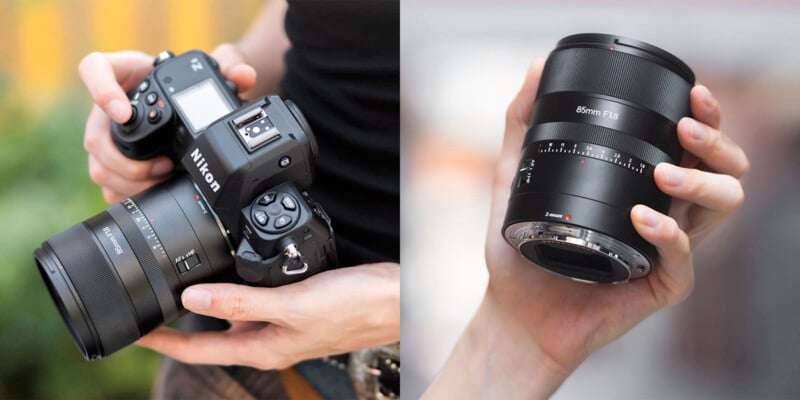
605 115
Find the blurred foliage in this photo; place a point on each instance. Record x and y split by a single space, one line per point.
44 189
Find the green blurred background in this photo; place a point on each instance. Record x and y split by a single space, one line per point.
44 186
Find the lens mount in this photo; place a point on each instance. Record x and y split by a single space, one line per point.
585 255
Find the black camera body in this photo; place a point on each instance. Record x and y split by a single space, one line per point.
236 204
173 104
237 156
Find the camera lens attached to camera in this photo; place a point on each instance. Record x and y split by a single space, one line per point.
235 211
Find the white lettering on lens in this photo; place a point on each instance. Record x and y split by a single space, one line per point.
202 167
553 215
114 242
597 113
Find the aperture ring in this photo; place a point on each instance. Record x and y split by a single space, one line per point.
599 135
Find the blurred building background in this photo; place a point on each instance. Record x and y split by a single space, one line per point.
44 186
462 63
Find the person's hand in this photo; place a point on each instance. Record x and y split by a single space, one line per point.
533 327
108 76
333 312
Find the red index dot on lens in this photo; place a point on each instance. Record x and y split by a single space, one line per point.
583 161
196 197
568 217
612 48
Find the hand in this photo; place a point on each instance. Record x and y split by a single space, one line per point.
533 327
333 312
108 76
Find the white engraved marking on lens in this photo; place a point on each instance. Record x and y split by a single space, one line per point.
146 229
185 256
114 241
590 150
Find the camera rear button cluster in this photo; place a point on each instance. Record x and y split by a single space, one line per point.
275 212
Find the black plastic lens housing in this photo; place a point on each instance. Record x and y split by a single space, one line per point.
605 115
119 274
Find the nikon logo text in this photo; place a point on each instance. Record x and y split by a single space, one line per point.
202 167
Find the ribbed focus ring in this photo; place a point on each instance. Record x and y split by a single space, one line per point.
99 290
619 75
600 136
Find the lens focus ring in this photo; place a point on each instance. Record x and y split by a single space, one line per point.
619 75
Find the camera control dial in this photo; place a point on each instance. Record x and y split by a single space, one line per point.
275 212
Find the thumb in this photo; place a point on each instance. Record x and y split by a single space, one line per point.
233 302
234 66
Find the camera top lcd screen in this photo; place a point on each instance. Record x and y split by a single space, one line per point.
202 104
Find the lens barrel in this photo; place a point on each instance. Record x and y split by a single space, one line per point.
119 274
605 115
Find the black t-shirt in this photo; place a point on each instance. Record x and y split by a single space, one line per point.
343 72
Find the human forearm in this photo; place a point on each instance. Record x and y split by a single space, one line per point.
496 358
263 47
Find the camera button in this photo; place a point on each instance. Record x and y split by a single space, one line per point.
288 203
154 115
282 221
144 85
151 98
267 199
134 116
261 217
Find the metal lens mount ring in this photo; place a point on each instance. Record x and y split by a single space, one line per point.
594 242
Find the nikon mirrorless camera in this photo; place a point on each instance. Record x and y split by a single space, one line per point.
236 205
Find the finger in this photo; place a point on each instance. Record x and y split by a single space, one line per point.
718 192
234 67
108 75
705 107
215 348
519 111
517 116
112 197
714 149
673 279
234 302
97 141
114 185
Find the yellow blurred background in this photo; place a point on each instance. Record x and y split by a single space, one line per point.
44 185
43 40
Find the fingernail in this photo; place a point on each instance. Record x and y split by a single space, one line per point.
196 299
698 132
118 110
675 176
647 217
162 167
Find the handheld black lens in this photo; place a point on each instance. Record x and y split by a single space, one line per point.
606 114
